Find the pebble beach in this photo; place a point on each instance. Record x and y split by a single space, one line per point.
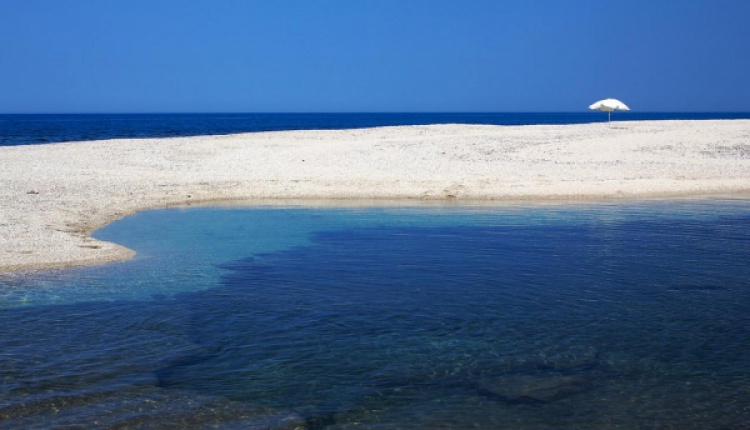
53 196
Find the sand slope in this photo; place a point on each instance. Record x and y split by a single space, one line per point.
53 196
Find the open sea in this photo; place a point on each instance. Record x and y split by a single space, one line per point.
627 315
31 129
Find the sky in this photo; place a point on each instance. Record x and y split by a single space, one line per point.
149 56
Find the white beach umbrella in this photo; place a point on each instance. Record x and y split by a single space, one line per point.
609 106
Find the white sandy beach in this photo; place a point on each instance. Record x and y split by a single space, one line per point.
53 196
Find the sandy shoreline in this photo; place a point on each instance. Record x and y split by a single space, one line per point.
53 196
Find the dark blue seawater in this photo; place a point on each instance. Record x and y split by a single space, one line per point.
34 129
628 316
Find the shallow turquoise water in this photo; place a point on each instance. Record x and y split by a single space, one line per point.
536 317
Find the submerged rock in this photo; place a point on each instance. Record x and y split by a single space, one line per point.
143 407
533 389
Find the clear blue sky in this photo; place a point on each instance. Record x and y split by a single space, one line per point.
372 55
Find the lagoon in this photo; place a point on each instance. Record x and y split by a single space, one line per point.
629 315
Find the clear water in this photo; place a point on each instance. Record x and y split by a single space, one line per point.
628 316
33 129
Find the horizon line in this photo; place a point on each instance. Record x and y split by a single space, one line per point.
369 112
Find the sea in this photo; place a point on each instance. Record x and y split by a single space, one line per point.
454 315
26 129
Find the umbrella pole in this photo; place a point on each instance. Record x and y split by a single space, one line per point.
609 116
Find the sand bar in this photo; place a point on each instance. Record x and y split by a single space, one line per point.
53 196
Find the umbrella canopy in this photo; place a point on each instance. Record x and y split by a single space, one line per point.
609 106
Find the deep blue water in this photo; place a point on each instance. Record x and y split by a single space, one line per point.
33 129
628 316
